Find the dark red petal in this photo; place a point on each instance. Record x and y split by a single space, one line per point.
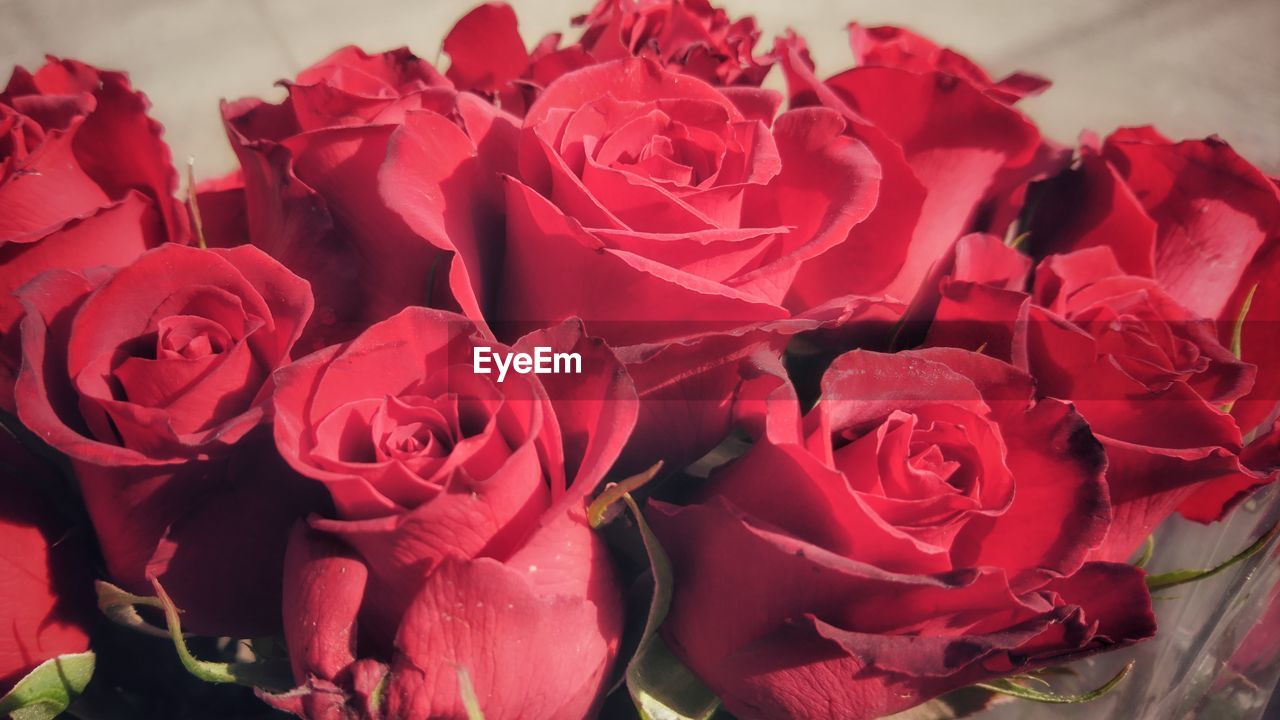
47 189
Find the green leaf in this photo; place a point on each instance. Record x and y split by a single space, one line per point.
121 607
1010 686
49 689
468 692
1182 577
1144 555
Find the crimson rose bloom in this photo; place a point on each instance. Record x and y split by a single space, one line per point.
671 218
152 380
85 181
889 46
488 56
311 170
46 599
954 158
459 536
688 36
924 528
1195 216
1148 374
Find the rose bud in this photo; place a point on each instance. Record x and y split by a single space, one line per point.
458 540
85 181
1148 374
1195 216
153 380
925 527
46 598
310 167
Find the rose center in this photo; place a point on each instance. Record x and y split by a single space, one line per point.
190 337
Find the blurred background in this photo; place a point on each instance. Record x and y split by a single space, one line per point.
1189 67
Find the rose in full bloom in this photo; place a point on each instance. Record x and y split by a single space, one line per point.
46 599
311 170
673 210
923 528
85 181
153 379
954 156
458 538
671 218
1195 216
1148 374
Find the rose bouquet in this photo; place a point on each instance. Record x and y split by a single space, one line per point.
643 373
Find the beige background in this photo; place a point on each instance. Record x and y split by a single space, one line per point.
1191 67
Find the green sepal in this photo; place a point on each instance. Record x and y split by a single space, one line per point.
47 690
121 607
1144 554
599 511
1182 577
661 687
1237 333
1012 687
467 691
961 703
193 205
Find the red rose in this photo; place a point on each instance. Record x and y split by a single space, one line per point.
668 205
889 46
152 380
1149 375
311 169
85 181
954 158
459 538
46 599
924 528
1195 216
687 36
487 57
671 219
